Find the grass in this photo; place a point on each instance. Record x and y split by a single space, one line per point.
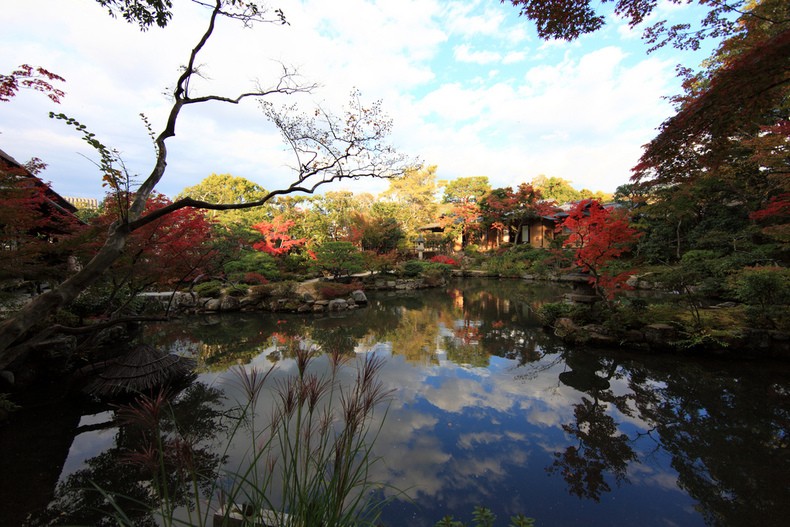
307 464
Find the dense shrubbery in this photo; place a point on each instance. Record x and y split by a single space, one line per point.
210 289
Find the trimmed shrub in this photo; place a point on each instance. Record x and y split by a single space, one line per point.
210 289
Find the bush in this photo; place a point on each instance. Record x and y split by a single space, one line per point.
253 262
210 289
255 278
550 312
766 290
339 258
332 290
412 268
443 259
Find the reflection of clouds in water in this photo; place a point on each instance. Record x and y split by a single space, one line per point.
643 474
88 445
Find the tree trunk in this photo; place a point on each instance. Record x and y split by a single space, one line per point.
48 303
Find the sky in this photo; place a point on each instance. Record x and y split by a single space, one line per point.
468 84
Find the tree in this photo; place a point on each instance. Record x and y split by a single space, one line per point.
35 225
28 77
413 198
165 253
339 258
597 236
556 188
465 195
569 19
508 209
325 148
276 237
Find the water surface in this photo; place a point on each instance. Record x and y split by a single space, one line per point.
488 409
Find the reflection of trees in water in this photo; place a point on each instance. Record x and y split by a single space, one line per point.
187 425
601 449
726 432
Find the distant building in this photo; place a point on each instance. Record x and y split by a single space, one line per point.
83 203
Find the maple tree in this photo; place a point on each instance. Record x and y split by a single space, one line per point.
32 218
598 236
465 194
276 238
166 252
28 77
326 148
510 209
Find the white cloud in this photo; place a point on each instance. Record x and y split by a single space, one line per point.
581 114
464 53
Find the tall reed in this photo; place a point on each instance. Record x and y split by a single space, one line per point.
307 464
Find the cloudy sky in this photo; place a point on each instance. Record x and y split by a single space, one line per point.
469 85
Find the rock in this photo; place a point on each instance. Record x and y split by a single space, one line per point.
213 304
305 308
229 303
564 326
308 298
359 297
597 335
338 304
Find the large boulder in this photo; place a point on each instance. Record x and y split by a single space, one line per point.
229 303
359 297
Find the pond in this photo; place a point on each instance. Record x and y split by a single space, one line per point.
485 408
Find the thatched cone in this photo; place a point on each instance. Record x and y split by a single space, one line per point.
140 371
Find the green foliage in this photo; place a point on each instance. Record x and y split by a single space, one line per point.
253 262
339 259
210 289
549 313
766 290
413 268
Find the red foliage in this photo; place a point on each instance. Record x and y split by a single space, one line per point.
332 290
255 278
442 259
276 240
171 249
598 236
26 76
778 208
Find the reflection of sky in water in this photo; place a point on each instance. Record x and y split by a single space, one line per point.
90 443
461 435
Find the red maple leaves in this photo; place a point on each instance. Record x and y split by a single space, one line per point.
276 240
598 236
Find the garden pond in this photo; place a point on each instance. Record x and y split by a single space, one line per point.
485 408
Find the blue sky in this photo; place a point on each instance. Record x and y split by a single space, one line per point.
469 85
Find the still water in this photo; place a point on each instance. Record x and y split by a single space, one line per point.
485 409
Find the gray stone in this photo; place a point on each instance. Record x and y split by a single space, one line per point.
359 296
338 304
229 303
213 304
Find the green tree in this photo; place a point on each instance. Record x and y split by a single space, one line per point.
556 188
411 199
339 259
